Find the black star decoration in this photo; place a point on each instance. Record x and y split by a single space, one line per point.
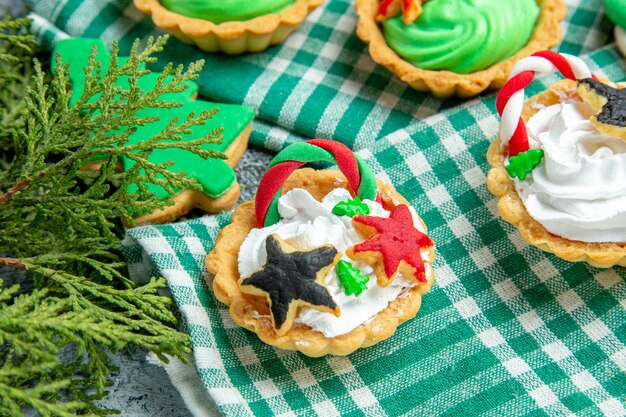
609 103
291 279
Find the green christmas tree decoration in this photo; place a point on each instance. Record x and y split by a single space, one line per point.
351 279
351 208
223 123
523 163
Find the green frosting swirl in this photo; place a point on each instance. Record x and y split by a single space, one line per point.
219 11
463 35
616 11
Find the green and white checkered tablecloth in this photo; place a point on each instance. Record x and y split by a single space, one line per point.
507 329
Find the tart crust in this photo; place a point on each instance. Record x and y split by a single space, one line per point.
512 209
252 35
252 312
444 84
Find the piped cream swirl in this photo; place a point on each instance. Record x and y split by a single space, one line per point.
579 190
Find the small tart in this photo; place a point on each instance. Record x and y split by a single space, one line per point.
512 209
547 33
234 37
252 312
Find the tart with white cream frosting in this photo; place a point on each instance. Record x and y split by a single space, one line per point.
322 261
559 165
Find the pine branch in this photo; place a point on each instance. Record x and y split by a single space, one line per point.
17 187
17 47
63 224
35 326
12 262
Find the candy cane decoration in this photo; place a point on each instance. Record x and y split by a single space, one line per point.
360 177
510 102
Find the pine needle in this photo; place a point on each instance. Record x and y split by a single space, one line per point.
62 224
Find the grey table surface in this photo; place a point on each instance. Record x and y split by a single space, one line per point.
142 389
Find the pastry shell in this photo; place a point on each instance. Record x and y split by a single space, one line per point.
444 84
512 209
252 312
252 35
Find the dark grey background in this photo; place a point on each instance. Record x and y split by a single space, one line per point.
141 389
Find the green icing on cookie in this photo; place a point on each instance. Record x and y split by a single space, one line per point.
221 11
616 11
75 54
351 208
463 36
523 163
351 278
214 175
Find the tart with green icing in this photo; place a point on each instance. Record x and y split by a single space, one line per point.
229 26
457 47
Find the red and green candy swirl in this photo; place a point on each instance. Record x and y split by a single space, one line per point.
360 177
510 102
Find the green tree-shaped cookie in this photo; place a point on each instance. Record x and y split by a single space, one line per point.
351 279
523 163
351 208
215 176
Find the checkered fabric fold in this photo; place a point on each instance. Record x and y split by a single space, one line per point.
507 329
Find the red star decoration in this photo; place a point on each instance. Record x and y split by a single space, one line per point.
394 245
